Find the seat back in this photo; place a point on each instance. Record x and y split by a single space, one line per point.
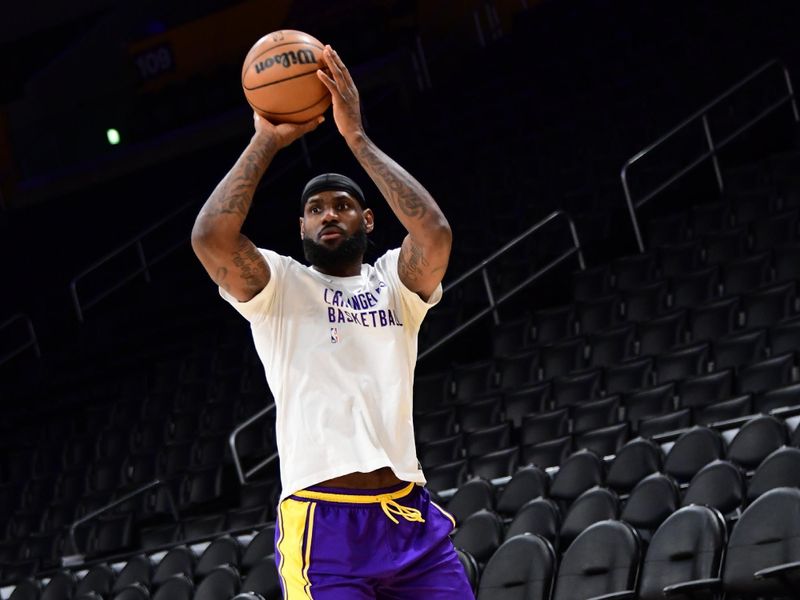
766 535
603 559
689 545
521 569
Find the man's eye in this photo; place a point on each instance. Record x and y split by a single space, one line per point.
315 210
343 206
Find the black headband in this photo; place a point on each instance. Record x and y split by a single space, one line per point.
329 182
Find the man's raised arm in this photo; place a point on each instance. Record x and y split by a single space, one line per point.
426 249
230 258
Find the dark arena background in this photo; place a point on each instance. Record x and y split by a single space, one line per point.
607 398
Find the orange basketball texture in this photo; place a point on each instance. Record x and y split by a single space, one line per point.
279 77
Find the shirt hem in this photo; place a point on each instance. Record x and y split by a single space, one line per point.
315 479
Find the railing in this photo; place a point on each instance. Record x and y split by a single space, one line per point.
240 472
31 342
714 146
77 557
574 250
481 268
143 268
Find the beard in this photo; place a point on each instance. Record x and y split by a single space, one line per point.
349 250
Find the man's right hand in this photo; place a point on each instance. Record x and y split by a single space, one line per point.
283 133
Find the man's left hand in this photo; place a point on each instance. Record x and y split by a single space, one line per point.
346 104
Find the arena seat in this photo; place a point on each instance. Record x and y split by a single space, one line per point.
472 496
652 500
527 483
579 472
604 441
611 346
766 374
769 305
595 414
223 550
689 545
586 573
593 505
597 314
526 400
702 390
550 325
486 440
694 449
636 460
176 587
263 579
221 582
756 439
715 319
544 426
516 370
719 484
480 535
780 469
649 401
695 288
522 568
539 516
630 375
496 464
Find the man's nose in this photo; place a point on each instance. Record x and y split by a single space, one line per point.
330 214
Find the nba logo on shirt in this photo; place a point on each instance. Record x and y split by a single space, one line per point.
334 335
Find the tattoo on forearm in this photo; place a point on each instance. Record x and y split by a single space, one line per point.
234 194
400 189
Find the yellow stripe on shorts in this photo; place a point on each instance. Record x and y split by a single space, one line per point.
296 522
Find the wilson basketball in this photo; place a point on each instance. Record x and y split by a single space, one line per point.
279 77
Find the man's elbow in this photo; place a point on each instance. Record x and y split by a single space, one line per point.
441 236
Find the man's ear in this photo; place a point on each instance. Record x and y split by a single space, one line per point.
369 219
302 229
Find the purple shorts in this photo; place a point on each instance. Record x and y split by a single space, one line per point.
385 544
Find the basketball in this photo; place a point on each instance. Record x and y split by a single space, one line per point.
279 77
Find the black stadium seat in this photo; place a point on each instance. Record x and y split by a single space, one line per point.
480 535
635 460
472 496
581 471
689 545
539 516
779 469
756 440
593 505
693 450
652 500
719 484
527 483
521 569
585 573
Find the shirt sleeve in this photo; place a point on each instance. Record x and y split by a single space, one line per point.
413 305
259 306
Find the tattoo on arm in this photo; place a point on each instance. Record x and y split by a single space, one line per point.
253 270
401 190
234 194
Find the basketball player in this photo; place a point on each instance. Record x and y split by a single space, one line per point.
338 340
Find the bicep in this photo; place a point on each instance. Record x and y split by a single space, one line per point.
420 267
239 269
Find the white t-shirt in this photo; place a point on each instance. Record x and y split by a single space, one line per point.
339 356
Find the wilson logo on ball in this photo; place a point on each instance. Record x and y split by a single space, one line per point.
286 59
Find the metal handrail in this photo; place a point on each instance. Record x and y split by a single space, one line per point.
144 263
32 341
240 473
77 556
493 303
481 267
713 147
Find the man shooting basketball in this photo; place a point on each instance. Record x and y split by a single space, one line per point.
338 340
